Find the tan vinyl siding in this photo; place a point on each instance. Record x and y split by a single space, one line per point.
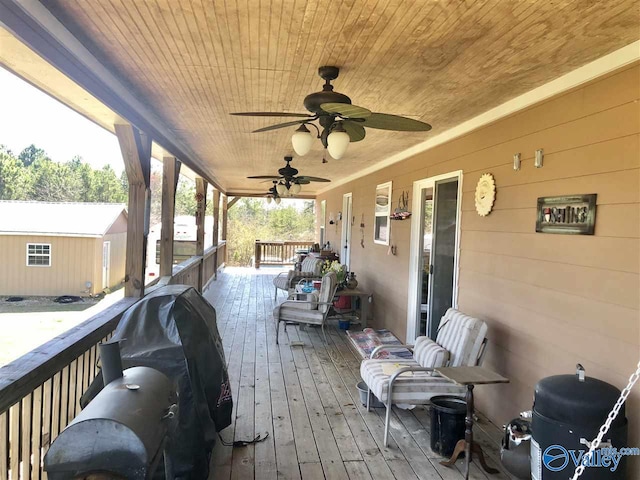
71 267
551 301
118 253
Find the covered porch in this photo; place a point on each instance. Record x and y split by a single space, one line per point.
305 398
542 96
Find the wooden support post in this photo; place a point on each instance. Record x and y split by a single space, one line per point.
225 209
201 206
216 220
136 153
170 173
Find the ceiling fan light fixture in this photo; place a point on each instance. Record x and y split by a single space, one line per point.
277 200
269 200
338 141
282 189
302 140
295 189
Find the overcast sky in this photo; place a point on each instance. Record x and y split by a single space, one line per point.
29 116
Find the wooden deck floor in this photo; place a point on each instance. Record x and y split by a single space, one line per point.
305 397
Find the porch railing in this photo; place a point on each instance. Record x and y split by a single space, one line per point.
40 391
198 270
278 253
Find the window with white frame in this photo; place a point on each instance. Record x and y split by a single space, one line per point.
38 254
382 212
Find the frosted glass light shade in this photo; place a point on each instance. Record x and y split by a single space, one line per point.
302 140
337 143
295 189
277 200
281 188
269 199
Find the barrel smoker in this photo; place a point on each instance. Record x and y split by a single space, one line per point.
123 432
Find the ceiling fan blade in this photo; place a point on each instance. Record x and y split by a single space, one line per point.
346 110
264 177
270 114
280 125
385 121
312 179
354 130
302 181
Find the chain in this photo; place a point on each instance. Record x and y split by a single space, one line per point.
607 424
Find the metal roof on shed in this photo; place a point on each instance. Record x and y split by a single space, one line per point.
61 219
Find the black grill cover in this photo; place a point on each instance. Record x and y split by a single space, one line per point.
174 330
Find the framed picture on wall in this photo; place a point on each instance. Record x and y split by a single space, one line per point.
382 211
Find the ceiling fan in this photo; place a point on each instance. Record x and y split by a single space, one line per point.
287 184
272 194
341 121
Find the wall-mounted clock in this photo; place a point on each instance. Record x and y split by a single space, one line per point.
485 194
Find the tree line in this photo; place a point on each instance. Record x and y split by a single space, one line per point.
32 175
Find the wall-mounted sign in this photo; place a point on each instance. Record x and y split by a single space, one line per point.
570 214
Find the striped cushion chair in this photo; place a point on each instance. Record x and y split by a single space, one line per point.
311 311
460 342
311 267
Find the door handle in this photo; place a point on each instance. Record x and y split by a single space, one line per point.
431 269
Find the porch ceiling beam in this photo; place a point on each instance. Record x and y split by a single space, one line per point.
136 154
41 31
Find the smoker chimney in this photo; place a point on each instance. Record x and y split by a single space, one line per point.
111 361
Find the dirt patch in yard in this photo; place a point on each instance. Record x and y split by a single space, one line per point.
43 304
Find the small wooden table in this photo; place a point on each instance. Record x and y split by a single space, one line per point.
364 302
470 376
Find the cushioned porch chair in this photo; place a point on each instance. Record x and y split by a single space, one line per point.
460 342
311 267
312 311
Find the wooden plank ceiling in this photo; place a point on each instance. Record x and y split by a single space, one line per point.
440 61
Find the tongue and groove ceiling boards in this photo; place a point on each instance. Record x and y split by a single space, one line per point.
193 62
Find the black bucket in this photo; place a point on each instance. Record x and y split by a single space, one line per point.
447 423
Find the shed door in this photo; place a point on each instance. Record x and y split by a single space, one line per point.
106 262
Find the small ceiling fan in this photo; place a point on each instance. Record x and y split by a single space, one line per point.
272 194
341 121
287 184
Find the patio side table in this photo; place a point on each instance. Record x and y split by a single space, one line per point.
364 297
470 377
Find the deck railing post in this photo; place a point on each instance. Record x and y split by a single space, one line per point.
170 174
136 154
257 254
201 205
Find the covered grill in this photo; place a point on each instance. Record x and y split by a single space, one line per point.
121 433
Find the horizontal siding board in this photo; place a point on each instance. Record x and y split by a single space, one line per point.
612 188
608 253
604 286
611 221
556 310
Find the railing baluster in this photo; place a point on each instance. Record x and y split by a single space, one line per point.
79 383
4 445
36 436
25 436
45 438
55 406
64 397
14 440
